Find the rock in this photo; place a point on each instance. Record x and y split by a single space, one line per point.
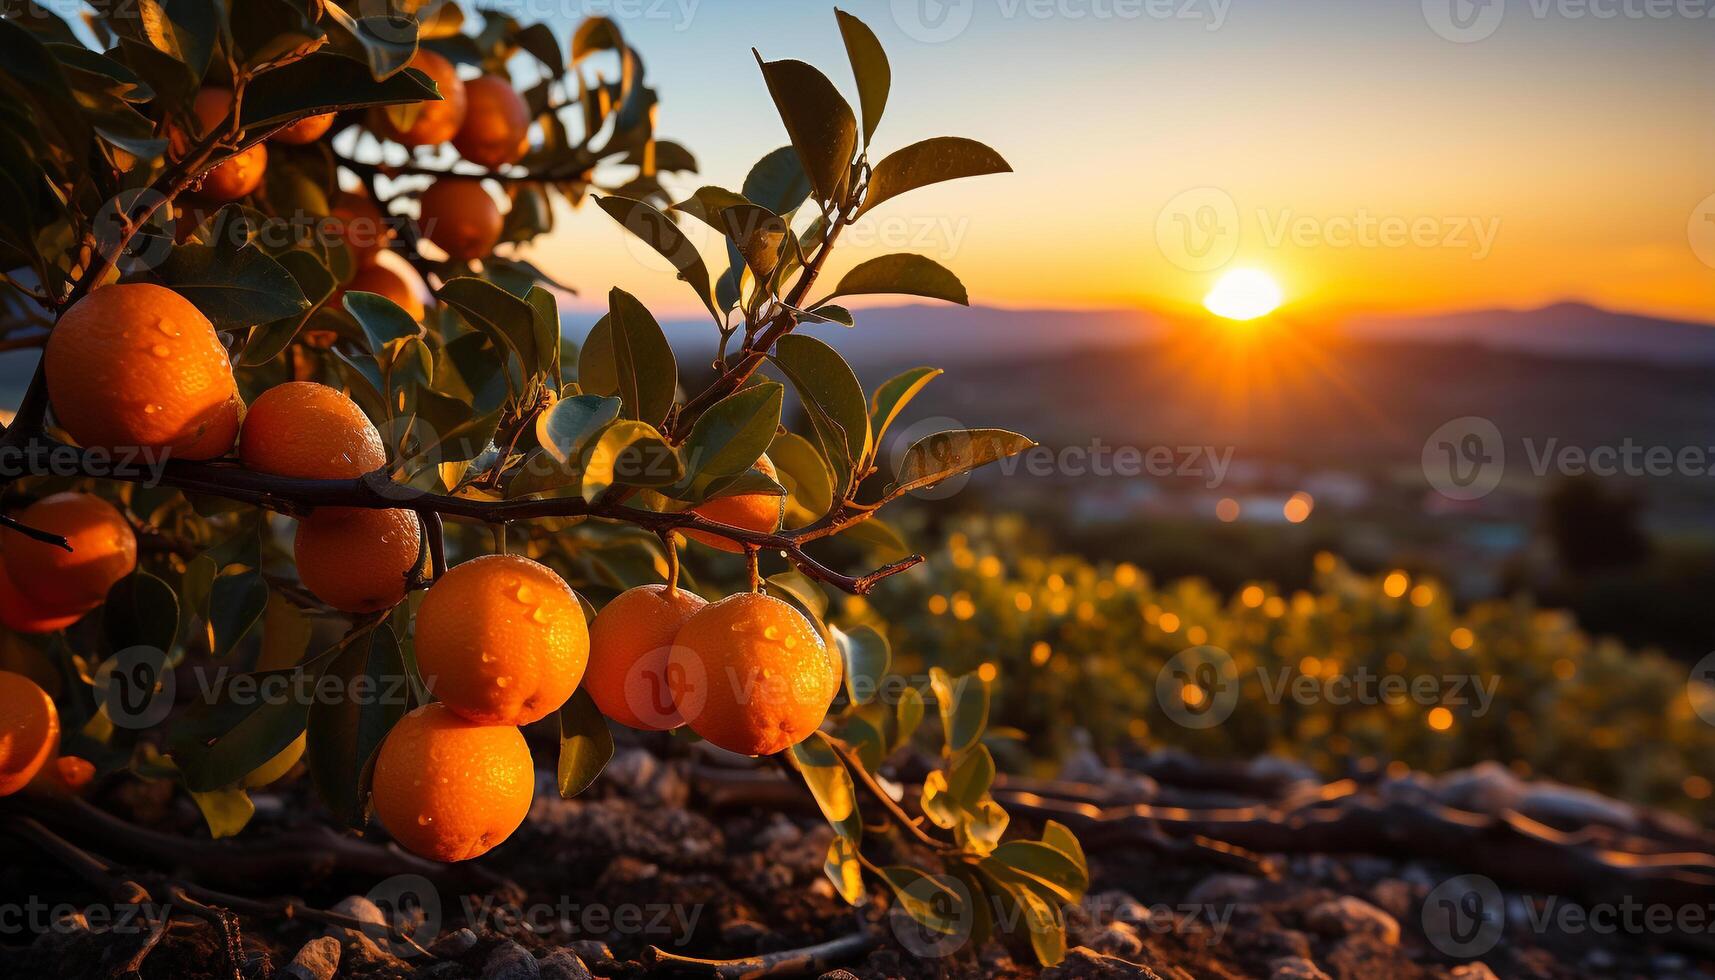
563 964
1569 808
318 960
1223 889
1295 968
367 939
1487 787
1351 916
1118 939
1395 897
1117 906
1083 963
454 944
1473 971
591 951
510 961
780 830
838 975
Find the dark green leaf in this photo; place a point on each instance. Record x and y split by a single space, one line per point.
831 393
757 233
830 783
732 434
867 657
346 731
141 610
805 475
388 42
644 370
326 83
903 274
629 453
504 317
565 429
777 182
382 319
869 65
930 162
823 130
660 233
236 288
944 454
894 394
964 706
236 604
586 745
707 204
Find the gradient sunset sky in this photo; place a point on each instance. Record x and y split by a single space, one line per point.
1370 154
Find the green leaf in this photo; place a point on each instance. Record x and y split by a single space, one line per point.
595 34
869 65
546 312
1049 871
565 429
910 713
1060 837
539 40
944 454
938 803
804 473
930 162
964 706
931 901
326 83
236 603
379 38
832 397
830 314
586 744
646 377
820 123
506 318
733 433
382 319
660 233
894 394
316 282
236 288
971 777
757 233
830 783
345 732
867 657
843 869
226 811
216 745
629 453
902 274
777 182
707 204
141 610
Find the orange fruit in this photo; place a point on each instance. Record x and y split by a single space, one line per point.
749 511
360 224
459 215
240 175
21 614
306 130
756 676
356 560
60 582
64 775
436 122
29 731
139 366
308 430
496 124
384 282
449 789
629 642
501 640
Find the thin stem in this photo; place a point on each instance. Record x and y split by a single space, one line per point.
894 810
670 541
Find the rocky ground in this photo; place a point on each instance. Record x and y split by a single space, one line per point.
1360 879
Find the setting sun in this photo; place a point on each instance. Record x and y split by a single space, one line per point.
1243 294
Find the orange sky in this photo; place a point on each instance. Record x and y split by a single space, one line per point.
1346 148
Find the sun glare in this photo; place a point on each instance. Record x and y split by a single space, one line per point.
1243 294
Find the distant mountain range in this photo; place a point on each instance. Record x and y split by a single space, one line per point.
941 335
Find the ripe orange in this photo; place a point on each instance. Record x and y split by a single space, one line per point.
436 122
450 789
356 560
308 430
60 582
459 215
29 731
238 176
139 366
750 511
359 223
501 640
21 614
306 130
629 642
757 676
496 126
384 282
